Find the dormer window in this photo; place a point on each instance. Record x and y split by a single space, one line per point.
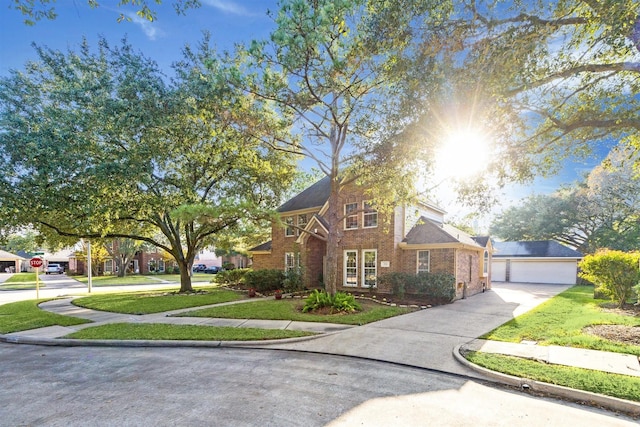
350 216
370 216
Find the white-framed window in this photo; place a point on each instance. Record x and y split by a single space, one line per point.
289 231
369 268
369 216
351 268
302 222
161 265
485 264
351 216
152 265
291 261
108 266
423 261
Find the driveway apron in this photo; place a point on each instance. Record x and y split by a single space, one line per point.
426 338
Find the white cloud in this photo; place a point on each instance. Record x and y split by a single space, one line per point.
150 29
228 7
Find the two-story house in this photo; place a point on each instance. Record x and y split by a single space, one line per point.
410 239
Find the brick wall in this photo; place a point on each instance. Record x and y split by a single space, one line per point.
469 272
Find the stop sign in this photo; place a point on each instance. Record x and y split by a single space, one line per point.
36 262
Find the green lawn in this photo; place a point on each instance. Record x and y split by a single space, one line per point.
560 321
290 309
156 331
25 315
155 301
21 281
621 386
136 279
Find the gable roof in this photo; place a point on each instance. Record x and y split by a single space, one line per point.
482 240
427 231
312 197
534 249
7 256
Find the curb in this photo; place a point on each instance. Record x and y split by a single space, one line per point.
68 342
609 402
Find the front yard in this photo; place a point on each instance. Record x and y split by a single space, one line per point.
573 319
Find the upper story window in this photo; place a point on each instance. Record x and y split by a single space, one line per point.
423 261
350 216
302 221
370 216
289 231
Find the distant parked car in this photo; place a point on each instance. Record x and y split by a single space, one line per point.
212 270
54 269
199 268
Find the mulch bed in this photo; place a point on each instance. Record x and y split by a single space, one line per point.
619 333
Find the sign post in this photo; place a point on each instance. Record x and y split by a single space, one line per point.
37 263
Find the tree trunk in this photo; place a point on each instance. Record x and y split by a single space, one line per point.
333 239
185 275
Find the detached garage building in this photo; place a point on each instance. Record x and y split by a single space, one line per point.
544 261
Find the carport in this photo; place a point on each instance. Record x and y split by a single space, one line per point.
9 263
542 261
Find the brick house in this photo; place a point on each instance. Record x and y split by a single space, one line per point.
410 239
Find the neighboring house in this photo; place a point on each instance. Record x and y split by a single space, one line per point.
62 257
544 261
410 240
10 263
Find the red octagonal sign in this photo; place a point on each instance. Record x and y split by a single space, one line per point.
36 262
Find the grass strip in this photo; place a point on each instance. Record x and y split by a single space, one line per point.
156 331
136 279
290 309
620 386
153 302
22 278
25 315
561 320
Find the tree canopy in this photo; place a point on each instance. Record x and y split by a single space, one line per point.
102 145
549 79
36 10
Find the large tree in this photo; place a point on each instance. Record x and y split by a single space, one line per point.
100 145
601 212
336 68
551 79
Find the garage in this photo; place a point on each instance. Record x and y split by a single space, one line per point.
9 263
543 261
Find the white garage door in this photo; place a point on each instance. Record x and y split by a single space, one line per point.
498 270
561 272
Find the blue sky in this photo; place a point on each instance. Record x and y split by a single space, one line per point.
228 22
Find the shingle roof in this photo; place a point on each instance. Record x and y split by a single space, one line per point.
314 196
266 246
482 240
7 256
427 231
538 248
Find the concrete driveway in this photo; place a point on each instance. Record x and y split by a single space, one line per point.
426 338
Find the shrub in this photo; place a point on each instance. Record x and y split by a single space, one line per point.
439 286
264 280
231 277
293 281
614 273
340 302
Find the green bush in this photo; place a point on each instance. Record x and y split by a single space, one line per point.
340 302
231 277
614 273
293 281
439 286
264 280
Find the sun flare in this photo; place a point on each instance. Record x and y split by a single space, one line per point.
463 154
